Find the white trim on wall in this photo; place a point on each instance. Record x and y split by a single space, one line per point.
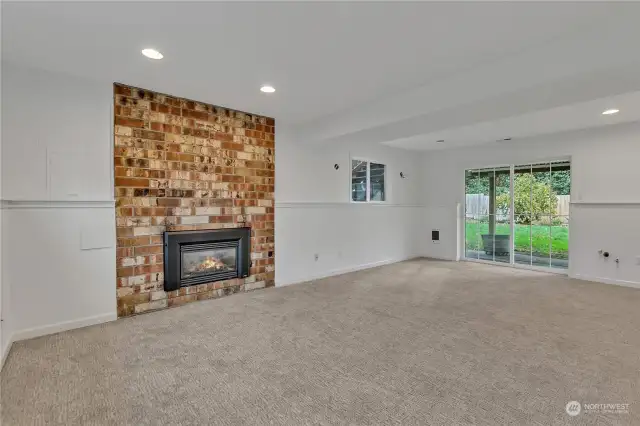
606 203
604 280
312 204
30 333
57 204
341 271
5 351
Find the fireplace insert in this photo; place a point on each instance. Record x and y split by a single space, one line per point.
197 257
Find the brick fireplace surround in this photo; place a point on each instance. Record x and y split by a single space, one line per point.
185 165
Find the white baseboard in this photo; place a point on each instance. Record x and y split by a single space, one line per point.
440 258
341 271
30 333
5 352
603 280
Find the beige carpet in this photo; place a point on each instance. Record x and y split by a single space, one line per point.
419 342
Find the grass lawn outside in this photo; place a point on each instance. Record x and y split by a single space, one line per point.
541 237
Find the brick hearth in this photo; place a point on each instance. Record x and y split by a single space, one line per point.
186 165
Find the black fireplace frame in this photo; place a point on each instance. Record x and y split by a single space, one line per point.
177 242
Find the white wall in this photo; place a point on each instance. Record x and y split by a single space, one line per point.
314 214
58 239
58 216
6 326
5 321
604 172
56 137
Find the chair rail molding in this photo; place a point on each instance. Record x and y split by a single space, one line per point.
56 204
330 204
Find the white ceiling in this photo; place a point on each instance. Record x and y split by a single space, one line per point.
382 72
554 120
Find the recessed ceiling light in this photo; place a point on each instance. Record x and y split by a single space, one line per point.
610 111
267 89
152 54
506 139
440 141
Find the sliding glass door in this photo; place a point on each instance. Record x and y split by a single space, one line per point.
488 219
519 214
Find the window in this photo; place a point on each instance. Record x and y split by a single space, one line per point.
519 214
368 181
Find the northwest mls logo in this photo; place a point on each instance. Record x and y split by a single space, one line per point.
573 408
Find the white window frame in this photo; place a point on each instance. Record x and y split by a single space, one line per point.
387 185
462 251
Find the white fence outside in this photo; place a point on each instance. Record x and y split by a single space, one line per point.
563 205
478 205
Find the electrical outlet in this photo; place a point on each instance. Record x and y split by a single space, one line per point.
316 256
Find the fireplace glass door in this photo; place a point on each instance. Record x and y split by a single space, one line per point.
200 261
199 257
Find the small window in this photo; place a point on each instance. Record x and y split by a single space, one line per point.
368 181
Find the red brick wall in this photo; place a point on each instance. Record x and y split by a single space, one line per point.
186 165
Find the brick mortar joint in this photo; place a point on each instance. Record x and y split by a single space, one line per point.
145 264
